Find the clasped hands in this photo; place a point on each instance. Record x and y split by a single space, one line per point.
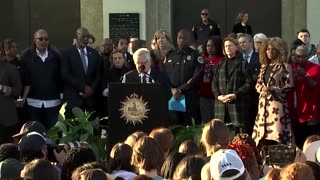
266 91
176 93
227 98
87 91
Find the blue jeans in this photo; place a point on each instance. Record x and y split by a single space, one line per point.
47 116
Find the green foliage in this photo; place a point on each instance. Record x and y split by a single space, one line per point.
182 133
81 128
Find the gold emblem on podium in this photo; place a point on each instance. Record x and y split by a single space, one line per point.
134 109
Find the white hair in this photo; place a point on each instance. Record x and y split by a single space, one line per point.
260 36
141 52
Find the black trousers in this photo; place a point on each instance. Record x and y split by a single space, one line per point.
6 133
47 116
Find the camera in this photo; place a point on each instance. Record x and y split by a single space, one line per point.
279 155
61 147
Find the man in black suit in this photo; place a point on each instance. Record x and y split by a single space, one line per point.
80 73
252 57
144 73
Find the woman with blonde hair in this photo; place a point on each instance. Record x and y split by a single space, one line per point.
162 45
274 83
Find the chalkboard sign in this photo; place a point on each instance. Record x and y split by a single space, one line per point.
124 25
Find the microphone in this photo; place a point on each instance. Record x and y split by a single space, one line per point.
142 73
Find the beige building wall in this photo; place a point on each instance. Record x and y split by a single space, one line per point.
294 17
313 22
92 18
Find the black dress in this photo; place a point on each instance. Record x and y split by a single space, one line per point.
239 28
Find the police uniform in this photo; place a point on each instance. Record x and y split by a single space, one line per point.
183 68
202 32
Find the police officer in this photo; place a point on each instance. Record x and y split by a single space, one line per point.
183 67
206 28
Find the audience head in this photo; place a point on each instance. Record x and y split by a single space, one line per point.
122 44
31 126
142 177
164 138
74 158
92 174
310 139
82 37
117 60
134 137
147 154
170 164
10 47
247 156
301 55
184 39
230 47
189 167
107 46
310 149
87 166
213 46
226 163
315 169
40 169
142 58
120 157
245 138
204 15
304 36
215 135
9 150
33 146
273 51
41 40
91 40
189 147
10 168
258 39
162 41
296 171
273 174
245 43
243 17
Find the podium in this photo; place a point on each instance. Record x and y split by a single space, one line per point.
135 107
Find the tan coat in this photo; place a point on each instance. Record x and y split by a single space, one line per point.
272 121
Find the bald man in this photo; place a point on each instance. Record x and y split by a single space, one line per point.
80 74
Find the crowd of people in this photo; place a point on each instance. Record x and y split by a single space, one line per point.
263 90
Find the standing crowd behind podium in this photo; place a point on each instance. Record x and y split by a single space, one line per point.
263 90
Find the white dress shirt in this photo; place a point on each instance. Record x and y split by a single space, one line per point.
249 56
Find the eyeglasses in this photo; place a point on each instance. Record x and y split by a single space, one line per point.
204 14
43 39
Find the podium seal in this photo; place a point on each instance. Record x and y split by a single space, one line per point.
134 109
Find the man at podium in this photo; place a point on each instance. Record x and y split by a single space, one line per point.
144 73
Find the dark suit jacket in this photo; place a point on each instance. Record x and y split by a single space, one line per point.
156 76
254 63
75 78
9 76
